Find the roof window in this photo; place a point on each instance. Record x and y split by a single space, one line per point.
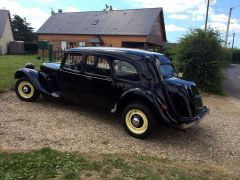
95 22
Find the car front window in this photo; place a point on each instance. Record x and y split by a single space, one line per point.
73 62
165 68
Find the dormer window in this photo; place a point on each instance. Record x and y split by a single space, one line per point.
95 22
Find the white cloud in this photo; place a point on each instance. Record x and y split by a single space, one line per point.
72 9
35 16
223 26
44 1
219 21
198 13
171 6
172 28
197 18
218 17
178 16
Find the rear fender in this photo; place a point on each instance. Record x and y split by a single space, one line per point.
33 77
142 95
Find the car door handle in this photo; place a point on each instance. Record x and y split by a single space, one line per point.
109 79
89 78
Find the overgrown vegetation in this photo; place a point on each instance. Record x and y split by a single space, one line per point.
236 56
9 65
47 164
202 59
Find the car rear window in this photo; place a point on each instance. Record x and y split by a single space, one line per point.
125 70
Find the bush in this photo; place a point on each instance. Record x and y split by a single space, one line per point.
227 54
236 56
201 58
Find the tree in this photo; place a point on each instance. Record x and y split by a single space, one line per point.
201 58
22 31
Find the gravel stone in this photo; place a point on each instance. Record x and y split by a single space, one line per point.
79 128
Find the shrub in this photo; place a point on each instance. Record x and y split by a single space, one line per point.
236 56
201 58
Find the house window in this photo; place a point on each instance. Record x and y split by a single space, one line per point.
133 44
82 44
63 45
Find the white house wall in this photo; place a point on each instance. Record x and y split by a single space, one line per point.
6 38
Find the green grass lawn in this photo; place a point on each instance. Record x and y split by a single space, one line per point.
9 64
48 164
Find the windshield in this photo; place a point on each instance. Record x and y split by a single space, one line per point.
165 68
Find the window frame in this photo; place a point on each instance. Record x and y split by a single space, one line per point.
133 64
98 75
65 59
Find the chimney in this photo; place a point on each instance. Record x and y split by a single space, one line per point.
60 10
52 12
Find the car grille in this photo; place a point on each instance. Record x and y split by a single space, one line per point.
196 98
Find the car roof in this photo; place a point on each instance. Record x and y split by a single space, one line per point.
113 51
133 54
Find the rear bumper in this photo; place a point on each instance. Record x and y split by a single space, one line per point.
187 122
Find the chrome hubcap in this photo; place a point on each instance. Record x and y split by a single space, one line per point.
25 89
136 121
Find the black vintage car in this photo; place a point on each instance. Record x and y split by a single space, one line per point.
143 86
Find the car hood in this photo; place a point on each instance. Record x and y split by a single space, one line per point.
178 81
49 65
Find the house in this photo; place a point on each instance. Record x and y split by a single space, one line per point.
134 28
6 34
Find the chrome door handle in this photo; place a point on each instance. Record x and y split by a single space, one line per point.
89 78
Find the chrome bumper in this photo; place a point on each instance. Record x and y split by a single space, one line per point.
188 122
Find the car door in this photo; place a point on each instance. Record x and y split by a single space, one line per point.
71 79
99 78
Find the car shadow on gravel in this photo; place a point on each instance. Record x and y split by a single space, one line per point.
88 109
199 138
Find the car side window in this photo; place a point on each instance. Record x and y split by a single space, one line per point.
125 70
97 65
74 62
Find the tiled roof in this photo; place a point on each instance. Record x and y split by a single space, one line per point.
116 22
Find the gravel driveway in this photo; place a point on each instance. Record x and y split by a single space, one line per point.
68 127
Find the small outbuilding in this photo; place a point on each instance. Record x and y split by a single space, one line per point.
6 34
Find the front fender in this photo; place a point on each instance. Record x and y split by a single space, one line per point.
33 77
146 95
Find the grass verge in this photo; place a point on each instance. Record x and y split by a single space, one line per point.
9 64
47 164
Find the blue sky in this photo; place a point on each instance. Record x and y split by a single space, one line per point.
179 15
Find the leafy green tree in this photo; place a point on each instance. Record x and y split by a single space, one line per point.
22 31
201 58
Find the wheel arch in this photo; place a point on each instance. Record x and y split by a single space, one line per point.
138 96
19 74
33 77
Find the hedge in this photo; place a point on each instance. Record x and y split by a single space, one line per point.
202 59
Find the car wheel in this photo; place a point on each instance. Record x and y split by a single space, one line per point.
138 120
25 90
